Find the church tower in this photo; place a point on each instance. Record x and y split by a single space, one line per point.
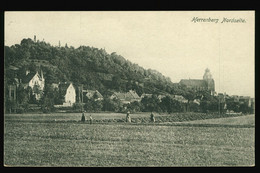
207 77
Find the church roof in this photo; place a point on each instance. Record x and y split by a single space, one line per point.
28 77
194 82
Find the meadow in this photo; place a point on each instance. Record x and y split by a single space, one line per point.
209 142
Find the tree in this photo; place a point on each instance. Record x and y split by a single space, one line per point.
244 108
232 105
23 97
151 104
170 105
190 95
47 101
112 104
135 106
97 105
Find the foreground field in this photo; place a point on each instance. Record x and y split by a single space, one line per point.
121 144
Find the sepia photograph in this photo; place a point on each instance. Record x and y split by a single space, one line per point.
129 89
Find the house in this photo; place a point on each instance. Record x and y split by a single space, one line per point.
126 98
233 98
68 92
205 84
35 81
245 100
160 97
93 94
134 95
55 86
146 95
180 98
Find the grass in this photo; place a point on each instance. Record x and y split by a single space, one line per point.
70 116
241 120
121 144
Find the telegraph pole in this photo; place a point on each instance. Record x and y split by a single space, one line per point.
82 97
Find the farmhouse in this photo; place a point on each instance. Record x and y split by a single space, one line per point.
36 82
68 92
205 84
93 94
126 98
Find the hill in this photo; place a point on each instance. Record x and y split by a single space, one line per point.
92 67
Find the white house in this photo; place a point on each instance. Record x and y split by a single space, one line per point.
36 82
69 92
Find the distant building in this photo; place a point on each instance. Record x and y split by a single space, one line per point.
93 94
245 100
180 98
233 98
205 84
55 86
36 82
146 95
160 97
126 98
68 92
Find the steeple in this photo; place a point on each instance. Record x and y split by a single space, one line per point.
207 75
42 75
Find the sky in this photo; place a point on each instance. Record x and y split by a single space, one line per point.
167 41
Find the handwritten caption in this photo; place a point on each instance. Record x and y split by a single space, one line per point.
216 20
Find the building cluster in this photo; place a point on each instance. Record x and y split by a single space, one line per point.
36 82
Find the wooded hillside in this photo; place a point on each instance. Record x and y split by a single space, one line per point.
92 67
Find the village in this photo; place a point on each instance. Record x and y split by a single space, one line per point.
72 97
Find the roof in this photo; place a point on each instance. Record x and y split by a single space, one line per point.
127 96
90 93
179 98
28 77
55 85
244 97
193 82
147 95
120 95
134 94
11 67
63 87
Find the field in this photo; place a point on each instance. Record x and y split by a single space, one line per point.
37 140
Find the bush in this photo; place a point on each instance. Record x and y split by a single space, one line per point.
77 106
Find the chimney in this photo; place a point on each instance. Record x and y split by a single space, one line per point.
34 39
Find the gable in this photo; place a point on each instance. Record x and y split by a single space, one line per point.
28 77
